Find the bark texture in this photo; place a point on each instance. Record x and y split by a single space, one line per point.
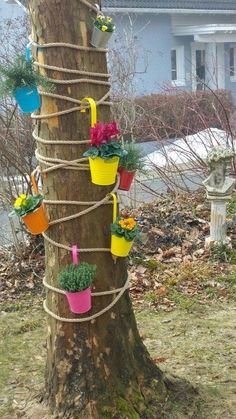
98 369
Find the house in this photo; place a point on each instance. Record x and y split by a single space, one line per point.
9 9
180 43
187 42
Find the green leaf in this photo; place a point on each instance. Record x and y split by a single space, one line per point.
105 151
74 278
92 152
118 231
32 203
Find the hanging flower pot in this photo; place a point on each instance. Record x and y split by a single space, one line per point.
104 153
130 162
103 172
80 302
76 280
123 232
31 209
126 179
20 79
120 246
27 98
102 31
36 221
100 39
32 212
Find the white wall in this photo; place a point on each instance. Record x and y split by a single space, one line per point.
197 19
10 11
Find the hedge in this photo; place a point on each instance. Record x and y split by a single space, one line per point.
168 115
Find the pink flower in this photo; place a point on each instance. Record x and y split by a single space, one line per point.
111 130
103 133
97 135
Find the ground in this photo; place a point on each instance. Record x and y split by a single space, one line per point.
184 299
196 344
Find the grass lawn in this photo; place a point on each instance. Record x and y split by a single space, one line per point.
197 344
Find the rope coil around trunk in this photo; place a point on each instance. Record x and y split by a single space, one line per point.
120 291
52 164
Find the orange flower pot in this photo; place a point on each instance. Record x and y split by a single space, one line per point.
36 221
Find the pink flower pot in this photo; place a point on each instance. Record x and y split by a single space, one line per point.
79 302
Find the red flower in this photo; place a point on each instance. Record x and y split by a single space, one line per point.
111 130
102 133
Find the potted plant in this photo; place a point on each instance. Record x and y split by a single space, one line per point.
129 164
76 280
102 31
31 210
104 153
124 231
19 79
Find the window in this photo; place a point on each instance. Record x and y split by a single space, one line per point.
200 68
173 65
232 69
177 66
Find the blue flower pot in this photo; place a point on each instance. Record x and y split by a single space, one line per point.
27 98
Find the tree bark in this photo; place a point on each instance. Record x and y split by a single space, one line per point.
97 369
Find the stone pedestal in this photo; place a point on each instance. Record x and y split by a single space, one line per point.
218 233
219 186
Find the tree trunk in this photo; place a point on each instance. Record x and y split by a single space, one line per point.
96 369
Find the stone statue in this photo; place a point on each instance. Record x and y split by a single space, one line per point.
219 182
219 186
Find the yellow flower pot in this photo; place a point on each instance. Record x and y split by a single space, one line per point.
103 172
119 246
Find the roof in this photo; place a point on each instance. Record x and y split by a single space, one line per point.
172 4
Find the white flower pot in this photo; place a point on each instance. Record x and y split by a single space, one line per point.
99 38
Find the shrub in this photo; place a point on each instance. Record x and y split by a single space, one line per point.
74 278
173 115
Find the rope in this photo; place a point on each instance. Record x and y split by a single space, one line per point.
52 164
89 5
70 99
55 163
94 316
101 101
86 211
75 81
63 246
43 141
67 45
94 294
67 70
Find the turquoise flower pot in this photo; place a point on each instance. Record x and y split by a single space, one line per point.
27 98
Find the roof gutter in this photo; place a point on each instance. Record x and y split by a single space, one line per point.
171 11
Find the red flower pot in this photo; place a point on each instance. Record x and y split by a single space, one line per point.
126 179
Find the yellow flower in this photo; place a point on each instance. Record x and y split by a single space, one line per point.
109 19
20 201
127 223
104 28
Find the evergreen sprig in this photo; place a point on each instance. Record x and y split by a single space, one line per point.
74 278
132 159
21 73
